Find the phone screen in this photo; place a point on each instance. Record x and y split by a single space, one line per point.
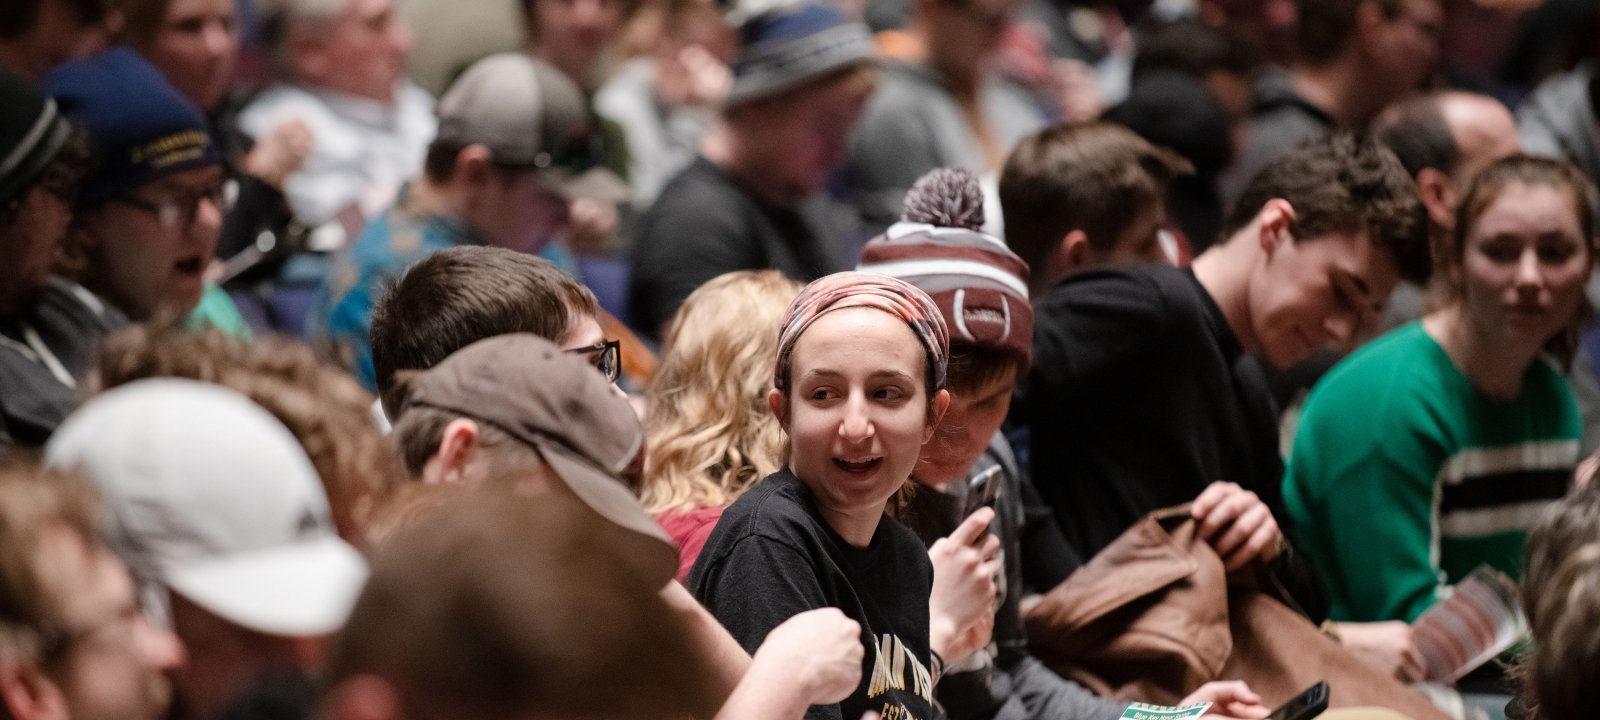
982 490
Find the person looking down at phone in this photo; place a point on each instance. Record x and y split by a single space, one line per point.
858 388
967 477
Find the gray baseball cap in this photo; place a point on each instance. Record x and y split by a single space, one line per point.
557 404
529 114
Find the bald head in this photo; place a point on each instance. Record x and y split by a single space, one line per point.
1482 129
1444 139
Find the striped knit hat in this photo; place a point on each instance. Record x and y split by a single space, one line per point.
32 131
789 46
978 284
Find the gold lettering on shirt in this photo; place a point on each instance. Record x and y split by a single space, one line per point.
891 662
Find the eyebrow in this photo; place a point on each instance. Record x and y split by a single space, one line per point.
876 374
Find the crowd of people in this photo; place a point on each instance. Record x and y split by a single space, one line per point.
372 359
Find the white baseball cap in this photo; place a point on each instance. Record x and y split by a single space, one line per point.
208 494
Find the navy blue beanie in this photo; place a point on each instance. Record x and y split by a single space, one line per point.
792 45
140 127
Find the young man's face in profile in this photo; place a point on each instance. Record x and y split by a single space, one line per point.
1317 293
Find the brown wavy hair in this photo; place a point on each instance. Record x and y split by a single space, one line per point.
325 409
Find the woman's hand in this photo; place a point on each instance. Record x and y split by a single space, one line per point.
1229 699
1237 524
961 608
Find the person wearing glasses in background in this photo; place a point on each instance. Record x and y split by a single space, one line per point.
510 158
146 221
460 295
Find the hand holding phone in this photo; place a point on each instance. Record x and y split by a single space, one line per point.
1306 705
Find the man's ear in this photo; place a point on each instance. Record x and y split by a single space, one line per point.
936 411
1370 22
780 407
364 697
1272 223
474 165
28 695
1438 195
1072 252
458 445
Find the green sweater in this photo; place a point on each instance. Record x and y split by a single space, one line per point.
1404 478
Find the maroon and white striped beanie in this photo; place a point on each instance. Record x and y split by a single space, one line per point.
977 283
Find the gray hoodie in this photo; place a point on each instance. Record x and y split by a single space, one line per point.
1558 120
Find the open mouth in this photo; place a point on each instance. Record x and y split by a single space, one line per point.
190 266
858 466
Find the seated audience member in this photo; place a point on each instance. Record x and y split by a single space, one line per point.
219 515
980 288
1560 584
74 642
48 326
1176 112
947 104
492 605
802 74
464 294
1154 357
341 66
573 36
144 228
497 174
517 412
1217 56
36 35
1353 58
1443 139
858 387
322 406
665 102
1467 434
195 45
709 432
1086 196
1560 118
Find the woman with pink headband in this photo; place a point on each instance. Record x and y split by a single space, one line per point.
858 388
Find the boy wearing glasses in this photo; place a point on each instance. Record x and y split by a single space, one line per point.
512 153
146 221
464 294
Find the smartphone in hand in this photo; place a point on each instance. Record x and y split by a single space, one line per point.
1306 705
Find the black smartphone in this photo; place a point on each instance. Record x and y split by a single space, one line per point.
1306 705
982 491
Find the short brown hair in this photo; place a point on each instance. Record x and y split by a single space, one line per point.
497 605
1344 183
464 294
328 413
1323 27
31 501
1092 177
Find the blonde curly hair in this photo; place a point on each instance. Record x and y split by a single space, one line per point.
709 431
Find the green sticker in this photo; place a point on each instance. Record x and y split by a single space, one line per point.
1141 711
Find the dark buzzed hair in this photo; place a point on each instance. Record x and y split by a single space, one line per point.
461 295
1344 183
